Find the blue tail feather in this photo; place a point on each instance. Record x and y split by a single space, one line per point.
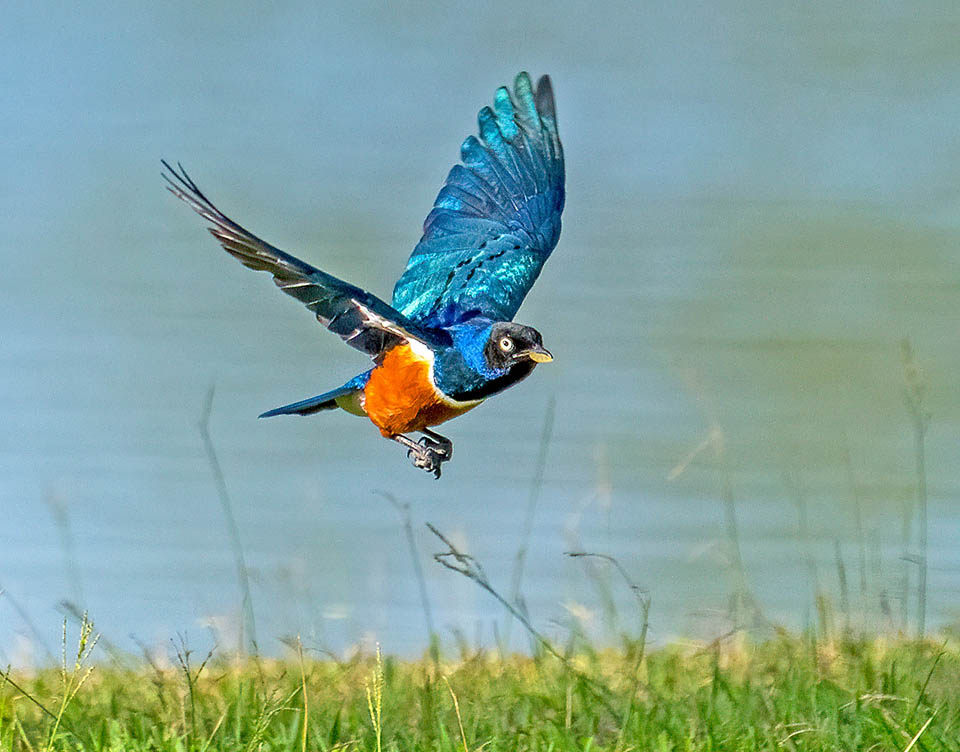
325 401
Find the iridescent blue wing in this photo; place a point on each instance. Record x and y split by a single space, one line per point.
497 217
361 319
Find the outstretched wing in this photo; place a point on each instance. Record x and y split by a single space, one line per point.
361 319
496 219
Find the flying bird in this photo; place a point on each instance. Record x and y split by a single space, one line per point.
447 340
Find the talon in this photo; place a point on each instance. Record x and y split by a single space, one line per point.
439 444
443 450
426 454
426 459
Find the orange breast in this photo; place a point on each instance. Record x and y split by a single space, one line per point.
400 395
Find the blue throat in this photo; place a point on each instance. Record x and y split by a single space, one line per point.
461 371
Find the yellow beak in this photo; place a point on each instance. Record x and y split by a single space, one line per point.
540 355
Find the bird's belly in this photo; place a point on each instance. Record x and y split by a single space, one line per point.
400 395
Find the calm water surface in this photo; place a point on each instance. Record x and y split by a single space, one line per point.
762 205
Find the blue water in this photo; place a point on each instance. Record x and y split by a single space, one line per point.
761 204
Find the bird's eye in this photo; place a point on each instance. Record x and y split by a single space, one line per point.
506 344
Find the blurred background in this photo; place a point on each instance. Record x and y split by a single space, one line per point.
763 208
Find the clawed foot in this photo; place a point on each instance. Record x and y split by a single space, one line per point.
426 458
440 444
429 453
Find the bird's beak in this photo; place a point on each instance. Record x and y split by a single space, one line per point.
539 354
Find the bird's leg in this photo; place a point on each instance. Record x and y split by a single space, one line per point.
440 444
423 456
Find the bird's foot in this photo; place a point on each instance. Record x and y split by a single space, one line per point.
426 458
440 444
428 453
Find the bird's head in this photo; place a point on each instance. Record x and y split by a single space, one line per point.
511 344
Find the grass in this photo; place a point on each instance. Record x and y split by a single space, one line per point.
789 692
830 688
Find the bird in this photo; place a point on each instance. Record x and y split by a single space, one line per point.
447 341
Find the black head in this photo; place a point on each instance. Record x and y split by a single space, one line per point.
512 344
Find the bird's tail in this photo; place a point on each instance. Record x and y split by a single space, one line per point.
326 401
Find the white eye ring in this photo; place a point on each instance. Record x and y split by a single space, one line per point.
506 344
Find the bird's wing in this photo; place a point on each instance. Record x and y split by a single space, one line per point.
497 217
361 319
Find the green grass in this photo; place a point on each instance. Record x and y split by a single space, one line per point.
788 693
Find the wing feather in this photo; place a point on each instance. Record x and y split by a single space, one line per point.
497 218
361 319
